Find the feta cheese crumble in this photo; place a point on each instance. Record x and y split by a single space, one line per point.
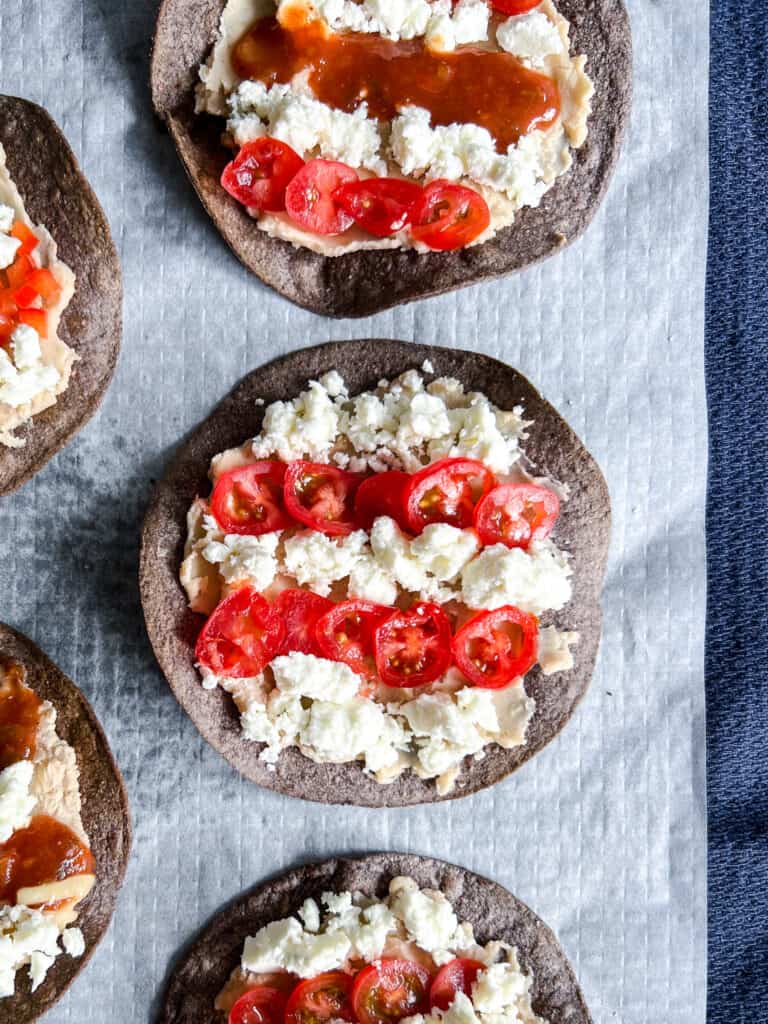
16 801
342 929
322 707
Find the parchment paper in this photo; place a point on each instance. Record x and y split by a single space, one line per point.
604 833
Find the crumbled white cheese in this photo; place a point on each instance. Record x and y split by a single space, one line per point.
8 249
428 916
359 728
467 23
304 675
25 345
242 557
448 727
468 151
73 941
284 945
420 565
28 938
16 801
532 37
304 428
399 426
369 581
367 927
310 127
310 915
498 988
317 561
7 217
534 579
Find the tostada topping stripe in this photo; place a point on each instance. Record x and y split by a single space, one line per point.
348 69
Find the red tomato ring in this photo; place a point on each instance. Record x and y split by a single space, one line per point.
413 648
516 514
241 635
249 499
324 998
388 990
446 492
321 497
496 647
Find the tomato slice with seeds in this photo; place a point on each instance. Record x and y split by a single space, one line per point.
261 172
446 492
324 998
516 514
249 499
456 976
322 497
382 206
413 648
310 199
496 647
262 1005
388 990
44 284
514 6
346 633
449 216
300 611
381 495
241 636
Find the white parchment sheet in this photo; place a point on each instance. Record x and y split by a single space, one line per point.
603 834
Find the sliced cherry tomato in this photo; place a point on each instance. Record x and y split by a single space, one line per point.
514 6
388 990
446 492
43 282
516 514
324 998
413 648
36 318
449 216
345 633
249 499
322 497
25 296
241 636
456 976
310 199
19 271
261 172
27 237
381 495
382 206
495 647
300 611
261 1005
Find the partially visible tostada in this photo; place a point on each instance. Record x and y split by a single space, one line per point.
65 831
380 152
60 293
382 939
372 576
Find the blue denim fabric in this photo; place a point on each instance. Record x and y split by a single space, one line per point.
737 514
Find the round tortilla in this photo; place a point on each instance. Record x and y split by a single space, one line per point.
361 283
57 195
494 913
583 530
106 818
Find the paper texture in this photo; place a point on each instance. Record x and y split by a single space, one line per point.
603 834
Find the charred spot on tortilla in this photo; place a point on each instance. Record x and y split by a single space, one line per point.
495 914
105 820
584 531
44 171
364 282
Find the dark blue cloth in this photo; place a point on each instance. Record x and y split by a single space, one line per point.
737 514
